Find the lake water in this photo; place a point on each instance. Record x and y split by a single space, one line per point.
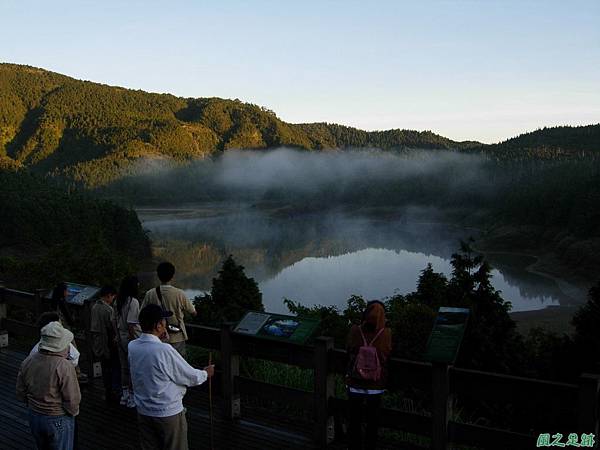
325 258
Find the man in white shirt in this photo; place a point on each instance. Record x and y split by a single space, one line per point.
171 299
160 376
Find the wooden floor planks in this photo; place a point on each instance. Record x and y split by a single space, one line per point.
109 427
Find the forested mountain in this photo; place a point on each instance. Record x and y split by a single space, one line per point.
93 133
550 143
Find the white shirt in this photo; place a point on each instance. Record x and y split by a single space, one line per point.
159 376
72 356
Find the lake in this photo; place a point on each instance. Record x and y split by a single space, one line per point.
324 258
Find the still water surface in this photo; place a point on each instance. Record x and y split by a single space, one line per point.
327 257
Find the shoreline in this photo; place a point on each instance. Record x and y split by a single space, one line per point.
553 318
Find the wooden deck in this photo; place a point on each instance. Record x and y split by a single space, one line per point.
115 427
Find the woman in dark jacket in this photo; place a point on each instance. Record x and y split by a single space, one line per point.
364 390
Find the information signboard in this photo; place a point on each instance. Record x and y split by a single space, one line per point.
77 294
446 336
277 326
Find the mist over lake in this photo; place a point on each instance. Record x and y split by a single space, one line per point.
319 227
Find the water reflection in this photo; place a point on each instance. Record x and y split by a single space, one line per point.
371 273
325 258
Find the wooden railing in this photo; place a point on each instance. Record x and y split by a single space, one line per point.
574 404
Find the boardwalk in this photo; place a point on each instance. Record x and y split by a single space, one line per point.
104 427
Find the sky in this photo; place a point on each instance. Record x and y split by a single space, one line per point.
469 70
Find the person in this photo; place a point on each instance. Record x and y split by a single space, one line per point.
160 375
44 319
172 299
104 339
47 383
369 346
127 328
59 304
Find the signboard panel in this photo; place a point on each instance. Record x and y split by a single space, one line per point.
77 294
251 323
277 326
447 334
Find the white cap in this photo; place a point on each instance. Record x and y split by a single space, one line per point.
55 338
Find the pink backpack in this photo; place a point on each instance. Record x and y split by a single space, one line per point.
367 365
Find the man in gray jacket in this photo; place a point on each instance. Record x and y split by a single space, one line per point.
104 344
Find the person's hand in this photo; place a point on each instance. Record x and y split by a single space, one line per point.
210 370
165 336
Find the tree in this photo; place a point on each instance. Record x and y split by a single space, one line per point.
431 288
331 322
232 294
491 340
587 332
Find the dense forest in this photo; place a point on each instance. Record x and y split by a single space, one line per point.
93 133
550 143
49 234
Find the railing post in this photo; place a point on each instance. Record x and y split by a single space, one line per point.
231 369
440 413
589 385
3 308
3 316
323 391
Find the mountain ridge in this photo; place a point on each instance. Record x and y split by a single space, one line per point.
94 134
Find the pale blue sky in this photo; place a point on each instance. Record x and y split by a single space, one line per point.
483 70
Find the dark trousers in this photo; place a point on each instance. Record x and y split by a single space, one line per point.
363 408
107 376
111 375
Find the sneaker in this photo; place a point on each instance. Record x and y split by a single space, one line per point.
83 378
130 402
124 397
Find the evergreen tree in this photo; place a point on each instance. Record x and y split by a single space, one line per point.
587 332
491 340
232 294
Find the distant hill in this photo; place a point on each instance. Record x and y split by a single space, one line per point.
550 143
94 133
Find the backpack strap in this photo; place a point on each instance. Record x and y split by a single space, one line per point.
376 336
362 335
160 299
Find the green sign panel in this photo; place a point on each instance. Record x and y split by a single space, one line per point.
277 326
446 336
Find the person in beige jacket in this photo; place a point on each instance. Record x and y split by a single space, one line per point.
172 299
47 383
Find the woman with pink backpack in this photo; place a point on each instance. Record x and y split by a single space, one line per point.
369 346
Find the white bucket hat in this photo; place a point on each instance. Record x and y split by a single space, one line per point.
55 338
